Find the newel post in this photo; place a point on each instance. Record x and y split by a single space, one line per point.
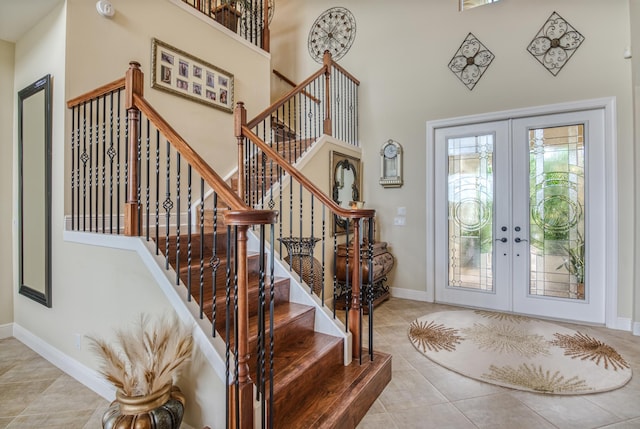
241 389
327 62
266 32
240 119
355 320
134 85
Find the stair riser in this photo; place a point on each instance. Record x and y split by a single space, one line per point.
221 246
281 294
288 396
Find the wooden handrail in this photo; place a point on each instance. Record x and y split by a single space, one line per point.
98 92
293 84
265 113
344 72
306 183
250 217
191 156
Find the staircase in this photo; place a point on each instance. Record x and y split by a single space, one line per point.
153 180
312 386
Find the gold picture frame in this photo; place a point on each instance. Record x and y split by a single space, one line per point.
179 73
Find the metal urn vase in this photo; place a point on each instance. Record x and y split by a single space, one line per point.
160 410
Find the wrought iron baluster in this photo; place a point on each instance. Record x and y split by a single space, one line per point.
280 208
138 162
118 166
177 215
271 323
111 154
104 157
300 216
324 252
83 157
235 318
201 280
126 156
313 267
370 289
157 186
354 117
167 204
260 348
348 286
148 181
228 325
215 261
74 111
96 143
335 270
189 232
90 161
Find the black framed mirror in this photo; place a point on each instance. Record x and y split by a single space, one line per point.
345 185
34 190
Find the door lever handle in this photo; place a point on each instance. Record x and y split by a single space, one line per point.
518 239
503 239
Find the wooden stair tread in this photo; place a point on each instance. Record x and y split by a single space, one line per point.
341 400
284 313
295 358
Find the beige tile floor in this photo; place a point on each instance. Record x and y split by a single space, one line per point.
36 394
421 394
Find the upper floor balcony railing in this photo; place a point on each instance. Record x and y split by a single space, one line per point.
248 18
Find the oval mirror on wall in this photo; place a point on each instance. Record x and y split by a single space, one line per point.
346 185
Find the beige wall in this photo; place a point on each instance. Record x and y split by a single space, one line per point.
634 17
400 55
7 282
97 289
99 51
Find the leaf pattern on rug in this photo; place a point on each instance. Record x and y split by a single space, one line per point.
503 338
502 317
432 336
585 347
537 379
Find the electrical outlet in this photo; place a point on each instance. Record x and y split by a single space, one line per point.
402 211
400 221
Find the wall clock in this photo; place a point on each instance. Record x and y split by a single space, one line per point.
333 31
391 164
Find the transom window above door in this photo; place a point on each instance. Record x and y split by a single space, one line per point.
469 4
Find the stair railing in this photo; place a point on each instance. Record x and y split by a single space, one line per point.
324 103
306 214
248 18
133 174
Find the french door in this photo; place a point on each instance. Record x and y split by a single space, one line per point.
519 215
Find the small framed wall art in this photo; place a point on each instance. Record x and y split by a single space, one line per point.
180 73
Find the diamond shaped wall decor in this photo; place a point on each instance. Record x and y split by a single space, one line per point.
471 61
555 43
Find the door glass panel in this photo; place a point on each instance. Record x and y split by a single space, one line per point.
556 234
470 204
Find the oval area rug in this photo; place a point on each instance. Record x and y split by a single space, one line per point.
519 352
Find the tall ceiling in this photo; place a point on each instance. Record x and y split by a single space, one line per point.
18 16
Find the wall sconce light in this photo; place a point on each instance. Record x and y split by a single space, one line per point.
105 8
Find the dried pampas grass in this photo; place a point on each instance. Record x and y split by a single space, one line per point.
146 358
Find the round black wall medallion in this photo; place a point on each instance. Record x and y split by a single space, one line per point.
333 31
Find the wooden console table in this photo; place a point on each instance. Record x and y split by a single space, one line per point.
382 263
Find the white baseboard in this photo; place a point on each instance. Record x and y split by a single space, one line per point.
621 324
636 328
6 331
414 295
85 375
